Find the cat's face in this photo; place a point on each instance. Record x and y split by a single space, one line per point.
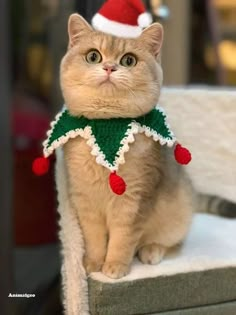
103 76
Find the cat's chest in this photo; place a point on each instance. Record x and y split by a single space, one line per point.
80 159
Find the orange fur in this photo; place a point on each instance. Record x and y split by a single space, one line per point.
155 212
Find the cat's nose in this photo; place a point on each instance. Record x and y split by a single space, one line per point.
109 68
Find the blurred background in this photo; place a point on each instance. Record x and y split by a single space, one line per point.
200 48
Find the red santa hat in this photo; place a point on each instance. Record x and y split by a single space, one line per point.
122 18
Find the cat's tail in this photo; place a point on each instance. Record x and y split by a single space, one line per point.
216 205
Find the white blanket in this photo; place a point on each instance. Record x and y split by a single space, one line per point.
210 244
205 121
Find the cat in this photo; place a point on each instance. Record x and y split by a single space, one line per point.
103 76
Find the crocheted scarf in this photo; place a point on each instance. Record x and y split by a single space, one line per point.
109 139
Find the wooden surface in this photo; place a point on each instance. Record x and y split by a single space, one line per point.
225 4
6 274
176 49
58 47
92 6
215 34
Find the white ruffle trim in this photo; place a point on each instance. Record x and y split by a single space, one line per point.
161 109
86 133
49 133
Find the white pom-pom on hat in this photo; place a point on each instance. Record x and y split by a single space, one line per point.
144 19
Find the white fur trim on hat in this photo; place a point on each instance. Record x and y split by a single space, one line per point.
144 19
105 25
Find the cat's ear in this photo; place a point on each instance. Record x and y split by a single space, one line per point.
77 26
152 37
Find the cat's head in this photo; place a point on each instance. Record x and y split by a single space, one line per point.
103 76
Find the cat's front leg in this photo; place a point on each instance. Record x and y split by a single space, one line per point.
95 240
124 235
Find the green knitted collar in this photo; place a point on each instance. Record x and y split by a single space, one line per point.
109 139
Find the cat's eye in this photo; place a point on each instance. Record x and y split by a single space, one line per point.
128 60
94 57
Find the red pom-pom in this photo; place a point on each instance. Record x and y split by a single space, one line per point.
117 184
182 155
40 166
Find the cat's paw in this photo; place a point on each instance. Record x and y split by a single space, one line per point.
115 270
151 254
92 265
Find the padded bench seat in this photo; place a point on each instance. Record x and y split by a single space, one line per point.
199 278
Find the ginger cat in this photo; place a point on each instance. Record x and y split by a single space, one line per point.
105 77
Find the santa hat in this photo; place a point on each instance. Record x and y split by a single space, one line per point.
122 18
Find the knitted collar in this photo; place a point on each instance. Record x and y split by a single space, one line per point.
109 139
